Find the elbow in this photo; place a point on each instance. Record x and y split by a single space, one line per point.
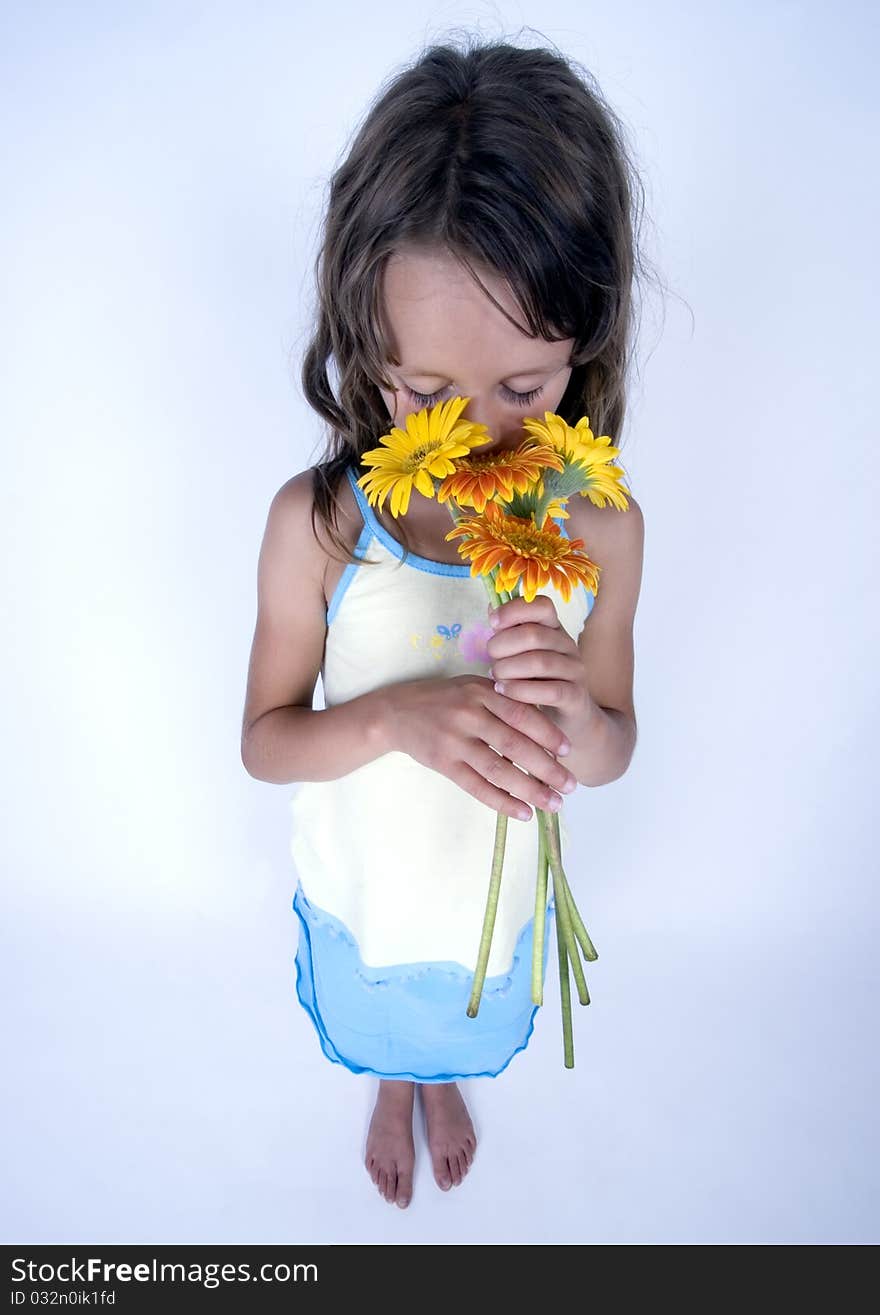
248 755
615 752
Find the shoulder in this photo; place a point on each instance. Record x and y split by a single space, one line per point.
290 511
295 530
289 543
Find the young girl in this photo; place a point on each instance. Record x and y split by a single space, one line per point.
478 243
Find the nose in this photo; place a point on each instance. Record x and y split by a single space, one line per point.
504 431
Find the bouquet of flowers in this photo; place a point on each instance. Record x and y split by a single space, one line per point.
514 545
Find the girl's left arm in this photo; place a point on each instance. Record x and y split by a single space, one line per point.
585 686
603 737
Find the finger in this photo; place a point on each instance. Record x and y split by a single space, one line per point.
510 772
541 609
557 694
537 664
528 635
500 801
565 698
525 738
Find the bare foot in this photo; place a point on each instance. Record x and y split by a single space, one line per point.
390 1154
450 1133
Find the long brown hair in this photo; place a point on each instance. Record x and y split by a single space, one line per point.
504 156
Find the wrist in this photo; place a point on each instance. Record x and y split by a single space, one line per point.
381 722
579 723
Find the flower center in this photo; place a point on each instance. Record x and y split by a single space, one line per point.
530 541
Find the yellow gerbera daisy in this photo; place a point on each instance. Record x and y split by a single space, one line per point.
524 552
582 450
478 480
424 451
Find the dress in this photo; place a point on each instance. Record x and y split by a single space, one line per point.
393 859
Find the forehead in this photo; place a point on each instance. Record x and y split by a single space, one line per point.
438 317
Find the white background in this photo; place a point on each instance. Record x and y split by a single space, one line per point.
164 173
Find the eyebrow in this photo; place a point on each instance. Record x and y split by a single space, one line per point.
512 374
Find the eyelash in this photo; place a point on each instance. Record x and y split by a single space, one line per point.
518 399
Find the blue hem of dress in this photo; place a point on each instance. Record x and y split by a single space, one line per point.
331 1052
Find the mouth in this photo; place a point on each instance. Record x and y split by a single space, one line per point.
501 450
494 447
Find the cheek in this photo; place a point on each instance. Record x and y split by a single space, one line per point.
390 400
556 391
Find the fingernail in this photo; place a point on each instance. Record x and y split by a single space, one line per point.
564 748
499 686
493 620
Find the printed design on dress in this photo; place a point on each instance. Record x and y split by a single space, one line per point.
472 643
439 639
470 646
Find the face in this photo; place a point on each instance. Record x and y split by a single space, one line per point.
452 341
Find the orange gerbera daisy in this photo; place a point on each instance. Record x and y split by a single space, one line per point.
477 480
524 552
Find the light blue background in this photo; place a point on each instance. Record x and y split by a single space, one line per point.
164 174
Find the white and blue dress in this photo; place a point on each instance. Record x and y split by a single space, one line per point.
393 859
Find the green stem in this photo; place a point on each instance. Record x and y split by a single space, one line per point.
564 993
580 930
563 918
583 993
540 920
489 915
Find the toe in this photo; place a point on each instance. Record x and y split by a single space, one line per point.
382 1181
454 1168
442 1173
404 1189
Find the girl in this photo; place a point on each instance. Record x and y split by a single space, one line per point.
478 243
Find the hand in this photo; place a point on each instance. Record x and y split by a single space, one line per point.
460 727
537 661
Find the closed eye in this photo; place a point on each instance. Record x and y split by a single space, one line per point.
516 399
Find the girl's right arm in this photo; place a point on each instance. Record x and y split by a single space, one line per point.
457 725
283 738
